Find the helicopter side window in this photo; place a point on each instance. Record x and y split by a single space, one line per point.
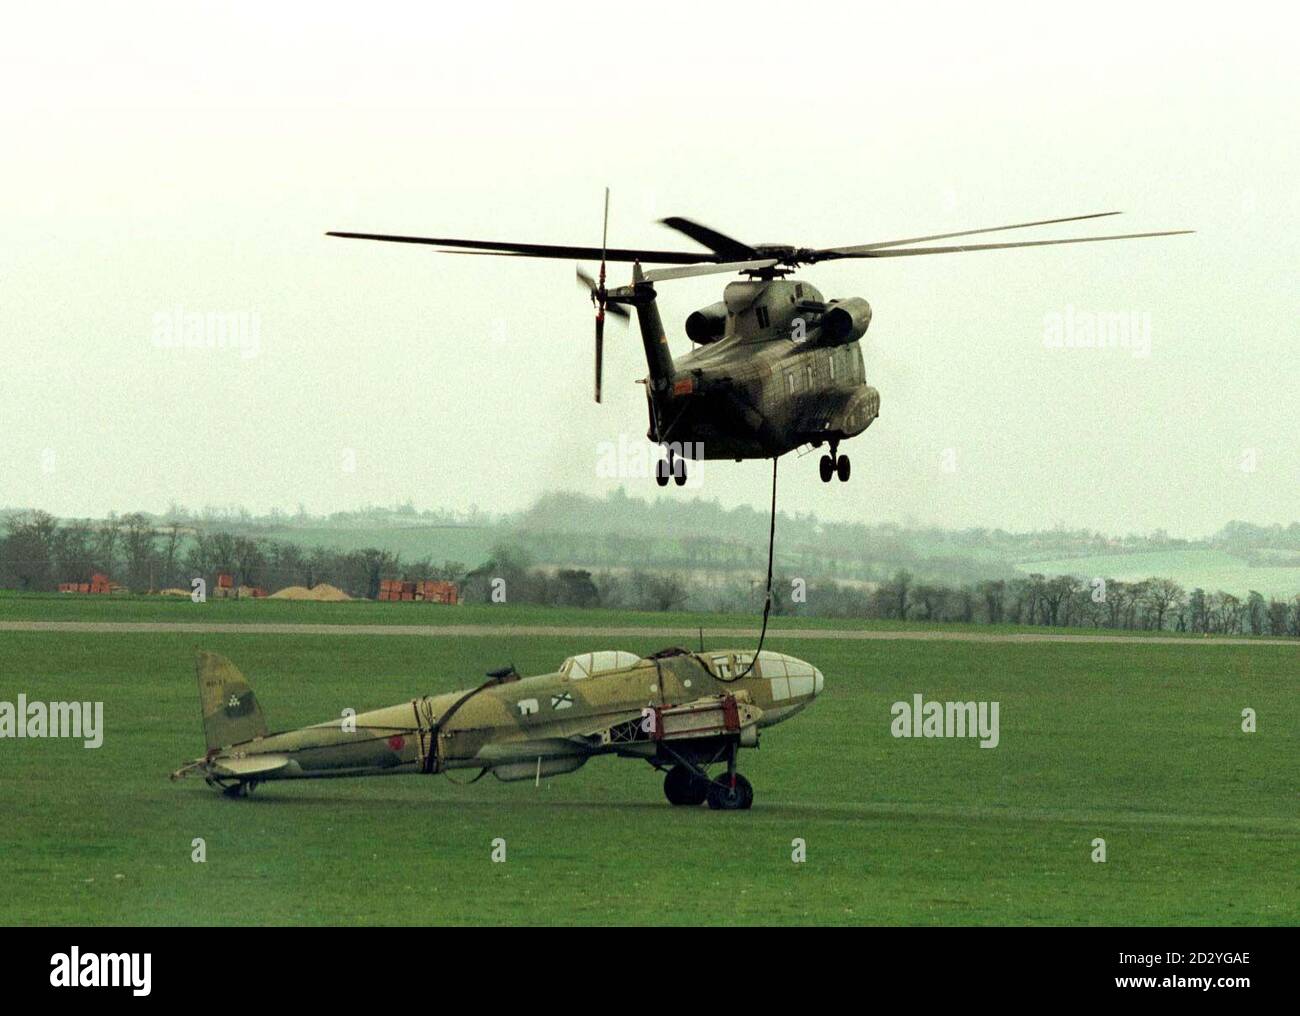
808 370
762 315
790 383
831 359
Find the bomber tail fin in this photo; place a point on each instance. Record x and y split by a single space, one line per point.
231 714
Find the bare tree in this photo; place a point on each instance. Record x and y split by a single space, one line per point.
109 531
1162 595
138 544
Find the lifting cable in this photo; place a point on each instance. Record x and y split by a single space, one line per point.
432 762
767 602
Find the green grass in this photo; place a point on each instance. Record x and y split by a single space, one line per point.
1138 744
16 606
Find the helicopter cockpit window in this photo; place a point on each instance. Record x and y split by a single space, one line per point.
577 668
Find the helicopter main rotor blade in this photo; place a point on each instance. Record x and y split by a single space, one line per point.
727 248
965 232
538 250
664 274
898 252
600 348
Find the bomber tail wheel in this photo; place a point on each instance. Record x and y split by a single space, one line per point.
683 787
842 468
723 796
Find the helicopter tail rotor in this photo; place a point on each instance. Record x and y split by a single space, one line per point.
600 299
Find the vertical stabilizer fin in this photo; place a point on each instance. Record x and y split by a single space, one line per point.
231 713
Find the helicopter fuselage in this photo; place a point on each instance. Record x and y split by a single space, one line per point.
777 367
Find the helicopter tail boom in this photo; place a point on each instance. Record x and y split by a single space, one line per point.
658 357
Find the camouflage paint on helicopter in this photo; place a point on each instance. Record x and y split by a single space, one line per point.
779 367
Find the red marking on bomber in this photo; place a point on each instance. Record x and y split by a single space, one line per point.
397 742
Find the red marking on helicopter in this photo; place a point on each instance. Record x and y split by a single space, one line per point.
684 387
397 742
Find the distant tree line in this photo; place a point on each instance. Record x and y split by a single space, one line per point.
1067 601
38 552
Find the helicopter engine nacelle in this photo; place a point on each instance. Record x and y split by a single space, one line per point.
707 324
845 320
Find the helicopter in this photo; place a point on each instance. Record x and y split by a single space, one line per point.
774 366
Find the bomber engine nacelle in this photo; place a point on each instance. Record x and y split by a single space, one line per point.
845 320
707 324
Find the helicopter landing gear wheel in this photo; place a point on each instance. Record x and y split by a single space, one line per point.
671 466
834 464
730 793
683 787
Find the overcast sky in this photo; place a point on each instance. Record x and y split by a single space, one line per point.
176 159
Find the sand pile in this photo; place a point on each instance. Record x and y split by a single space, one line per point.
324 592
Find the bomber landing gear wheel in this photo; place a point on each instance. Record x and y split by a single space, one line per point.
679 472
683 787
723 796
661 473
842 468
827 467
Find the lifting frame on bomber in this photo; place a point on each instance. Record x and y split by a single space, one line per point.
774 366
680 711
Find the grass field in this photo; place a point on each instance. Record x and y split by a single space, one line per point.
121 608
1139 745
